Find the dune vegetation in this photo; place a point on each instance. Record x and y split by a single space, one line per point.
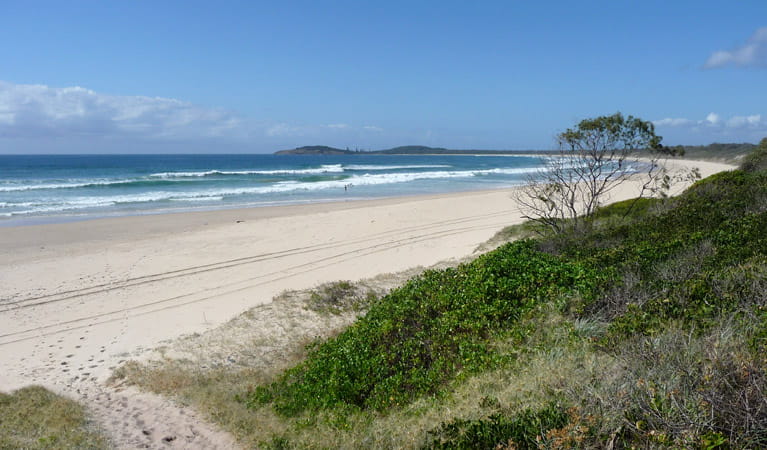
646 328
35 418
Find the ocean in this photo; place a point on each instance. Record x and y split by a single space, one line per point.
48 188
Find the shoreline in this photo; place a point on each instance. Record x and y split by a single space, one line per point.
111 227
53 220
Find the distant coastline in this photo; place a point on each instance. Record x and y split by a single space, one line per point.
729 153
404 150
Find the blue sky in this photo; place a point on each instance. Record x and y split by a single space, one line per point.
187 76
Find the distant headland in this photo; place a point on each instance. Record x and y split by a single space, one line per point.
730 153
402 150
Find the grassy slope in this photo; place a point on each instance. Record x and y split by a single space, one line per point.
35 418
643 331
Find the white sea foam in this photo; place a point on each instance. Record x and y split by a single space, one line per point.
203 198
16 204
72 184
212 195
364 180
69 205
34 187
379 167
328 168
325 168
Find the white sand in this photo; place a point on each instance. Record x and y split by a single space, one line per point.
78 298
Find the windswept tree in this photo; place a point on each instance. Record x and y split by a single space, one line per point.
595 157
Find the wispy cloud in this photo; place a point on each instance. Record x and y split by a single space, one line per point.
672 122
39 111
751 54
714 127
284 129
754 120
714 120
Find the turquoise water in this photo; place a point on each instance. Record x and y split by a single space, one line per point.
70 187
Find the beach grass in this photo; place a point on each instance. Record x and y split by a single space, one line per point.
35 418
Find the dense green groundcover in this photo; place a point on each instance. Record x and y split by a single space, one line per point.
418 337
640 268
690 260
522 430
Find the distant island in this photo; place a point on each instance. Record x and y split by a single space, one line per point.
717 151
315 150
402 150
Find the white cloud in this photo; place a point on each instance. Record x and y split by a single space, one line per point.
752 54
744 121
714 120
39 110
284 129
714 128
318 131
672 122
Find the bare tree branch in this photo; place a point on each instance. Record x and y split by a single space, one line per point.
595 157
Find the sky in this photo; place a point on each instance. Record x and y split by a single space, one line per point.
256 77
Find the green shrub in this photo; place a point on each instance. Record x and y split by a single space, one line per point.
426 333
757 160
525 430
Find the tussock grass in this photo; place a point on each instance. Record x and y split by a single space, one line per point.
511 233
35 418
341 296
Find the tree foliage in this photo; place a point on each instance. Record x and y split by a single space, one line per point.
595 157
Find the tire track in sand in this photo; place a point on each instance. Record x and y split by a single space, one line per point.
216 291
194 270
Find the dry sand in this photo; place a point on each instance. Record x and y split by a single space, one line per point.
77 299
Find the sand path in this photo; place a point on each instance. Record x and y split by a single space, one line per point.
79 298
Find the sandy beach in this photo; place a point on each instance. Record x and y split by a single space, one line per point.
79 298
